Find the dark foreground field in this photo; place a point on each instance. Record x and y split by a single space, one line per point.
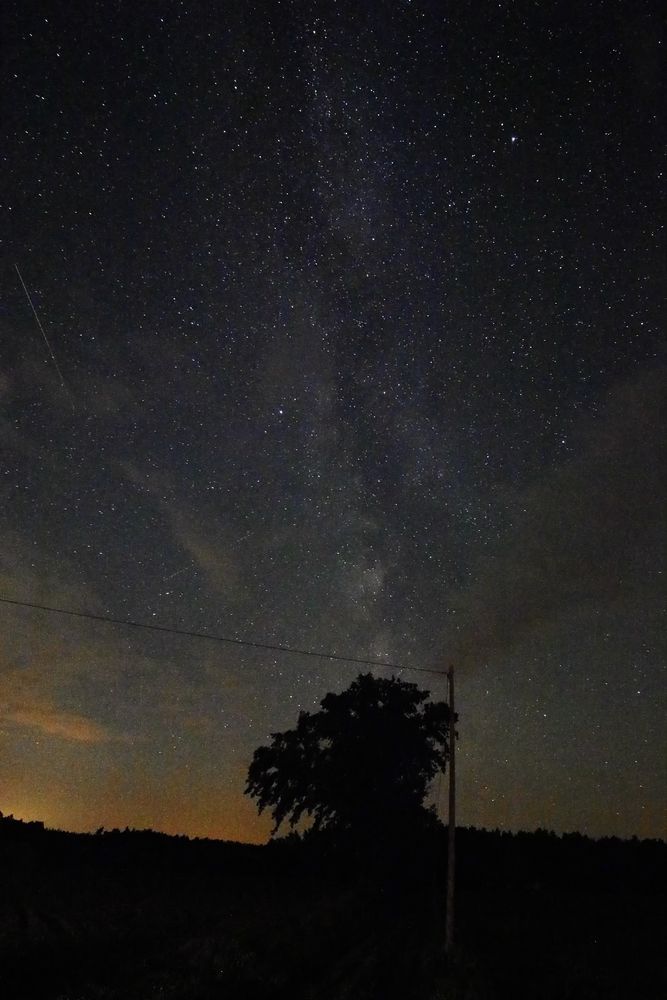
137 915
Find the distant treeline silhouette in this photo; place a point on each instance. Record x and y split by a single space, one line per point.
487 857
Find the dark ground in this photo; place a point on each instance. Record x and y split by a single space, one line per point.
138 915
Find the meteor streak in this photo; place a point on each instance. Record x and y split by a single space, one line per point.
46 339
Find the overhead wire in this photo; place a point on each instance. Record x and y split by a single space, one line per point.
191 634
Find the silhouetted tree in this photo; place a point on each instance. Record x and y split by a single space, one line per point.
364 762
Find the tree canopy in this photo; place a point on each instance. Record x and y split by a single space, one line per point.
364 760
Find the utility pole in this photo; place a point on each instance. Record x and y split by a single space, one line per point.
451 841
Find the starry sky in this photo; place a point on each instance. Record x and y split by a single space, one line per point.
352 322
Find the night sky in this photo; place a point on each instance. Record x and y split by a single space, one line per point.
358 312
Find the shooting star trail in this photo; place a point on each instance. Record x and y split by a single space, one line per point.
177 573
46 339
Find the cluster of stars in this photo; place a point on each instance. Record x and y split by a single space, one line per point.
339 300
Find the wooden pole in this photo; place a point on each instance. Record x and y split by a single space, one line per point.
451 841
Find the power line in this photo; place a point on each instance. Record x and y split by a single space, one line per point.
218 638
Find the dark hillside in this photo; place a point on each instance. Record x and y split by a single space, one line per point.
136 915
